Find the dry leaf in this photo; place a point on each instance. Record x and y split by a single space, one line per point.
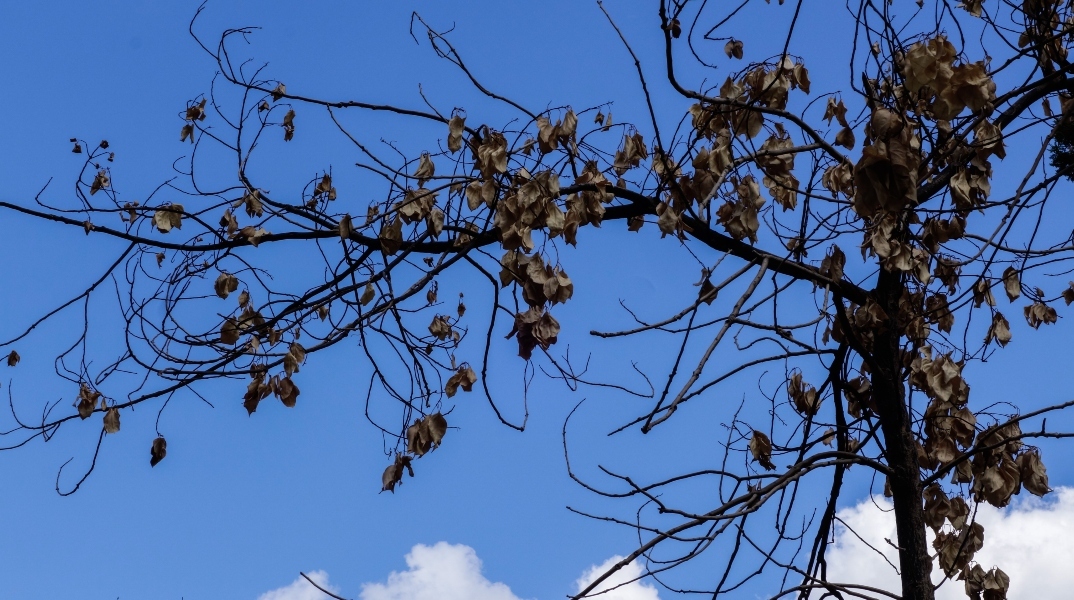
165 219
158 451
761 449
111 420
225 284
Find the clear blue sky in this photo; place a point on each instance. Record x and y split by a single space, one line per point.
242 504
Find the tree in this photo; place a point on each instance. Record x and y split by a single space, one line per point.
936 96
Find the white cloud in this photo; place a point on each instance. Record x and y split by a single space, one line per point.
1029 540
439 572
635 590
446 571
300 589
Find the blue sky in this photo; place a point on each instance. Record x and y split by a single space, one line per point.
241 505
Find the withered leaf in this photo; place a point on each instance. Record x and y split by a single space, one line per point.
733 49
1034 475
165 219
761 449
346 228
225 284
288 125
394 473
368 294
456 126
158 451
287 391
1011 283
426 433
296 355
279 92
13 358
111 420
100 182
464 377
1000 330
229 331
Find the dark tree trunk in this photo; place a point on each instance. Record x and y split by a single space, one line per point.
905 480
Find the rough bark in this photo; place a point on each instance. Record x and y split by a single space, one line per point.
915 565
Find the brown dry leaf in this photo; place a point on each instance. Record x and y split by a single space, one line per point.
1040 313
761 449
87 401
456 126
1000 330
1034 475
835 109
225 284
829 437
287 392
426 434
158 451
740 218
845 138
982 294
346 227
111 420
733 49
257 390
394 473
674 27
1011 283
229 331
13 359
288 125
368 294
464 377
426 169
278 92
806 400
165 219
440 327
187 133
391 236
833 263
296 355
100 181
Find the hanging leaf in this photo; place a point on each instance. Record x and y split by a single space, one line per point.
225 284
761 449
158 451
111 420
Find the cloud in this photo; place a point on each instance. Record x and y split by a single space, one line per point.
440 572
1030 540
635 590
300 589
446 571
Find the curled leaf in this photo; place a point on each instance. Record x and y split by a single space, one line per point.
13 359
455 129
761 449
158 451
166 218
111 420
1011 284
1034 475
225 284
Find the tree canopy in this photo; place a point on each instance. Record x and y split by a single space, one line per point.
857 227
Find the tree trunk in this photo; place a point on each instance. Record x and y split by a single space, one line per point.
889 394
